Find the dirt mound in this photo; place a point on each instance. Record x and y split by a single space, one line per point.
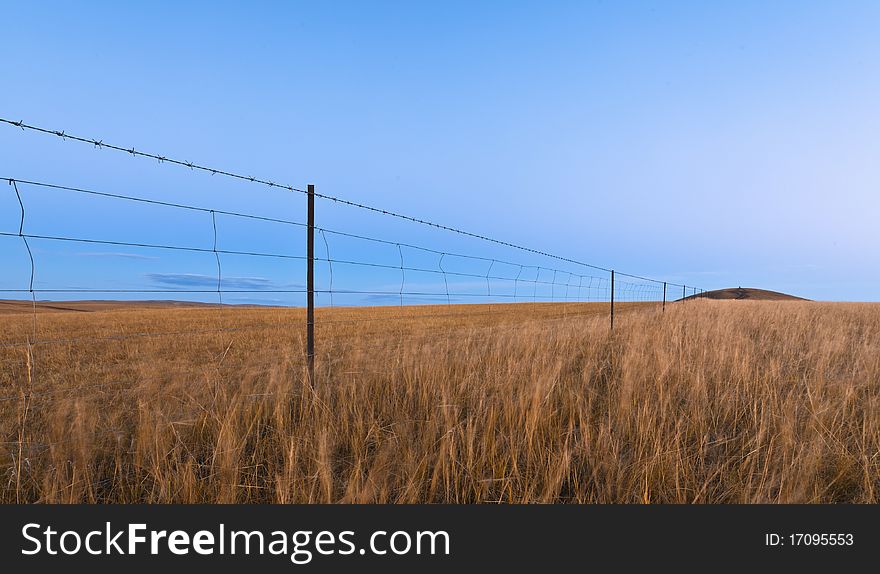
748 293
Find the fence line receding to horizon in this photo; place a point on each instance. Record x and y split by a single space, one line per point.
349 268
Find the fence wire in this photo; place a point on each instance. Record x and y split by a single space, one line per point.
409 284
503 280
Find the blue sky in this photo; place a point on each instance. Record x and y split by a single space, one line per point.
713 144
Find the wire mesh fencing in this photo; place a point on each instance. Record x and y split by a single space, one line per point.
322 276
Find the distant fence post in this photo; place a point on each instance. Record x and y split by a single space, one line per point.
683 294
664 296
612 299
310 286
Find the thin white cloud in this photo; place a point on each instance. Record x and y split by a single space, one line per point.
194 280
116 254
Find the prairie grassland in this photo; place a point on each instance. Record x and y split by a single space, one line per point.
708 402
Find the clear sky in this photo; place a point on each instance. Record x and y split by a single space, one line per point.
708 143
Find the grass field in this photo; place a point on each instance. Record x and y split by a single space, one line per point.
711 401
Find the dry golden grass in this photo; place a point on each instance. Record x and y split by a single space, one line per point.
709 402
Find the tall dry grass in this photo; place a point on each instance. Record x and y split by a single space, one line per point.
709 402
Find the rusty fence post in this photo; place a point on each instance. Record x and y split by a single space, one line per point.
310 286
612 299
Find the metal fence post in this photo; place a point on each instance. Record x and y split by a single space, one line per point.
310 286
664 296
612 299
683 294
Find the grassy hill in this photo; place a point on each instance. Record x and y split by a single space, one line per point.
740 293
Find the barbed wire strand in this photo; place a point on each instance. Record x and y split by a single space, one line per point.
215 171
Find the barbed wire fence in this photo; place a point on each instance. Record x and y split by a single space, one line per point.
454 278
